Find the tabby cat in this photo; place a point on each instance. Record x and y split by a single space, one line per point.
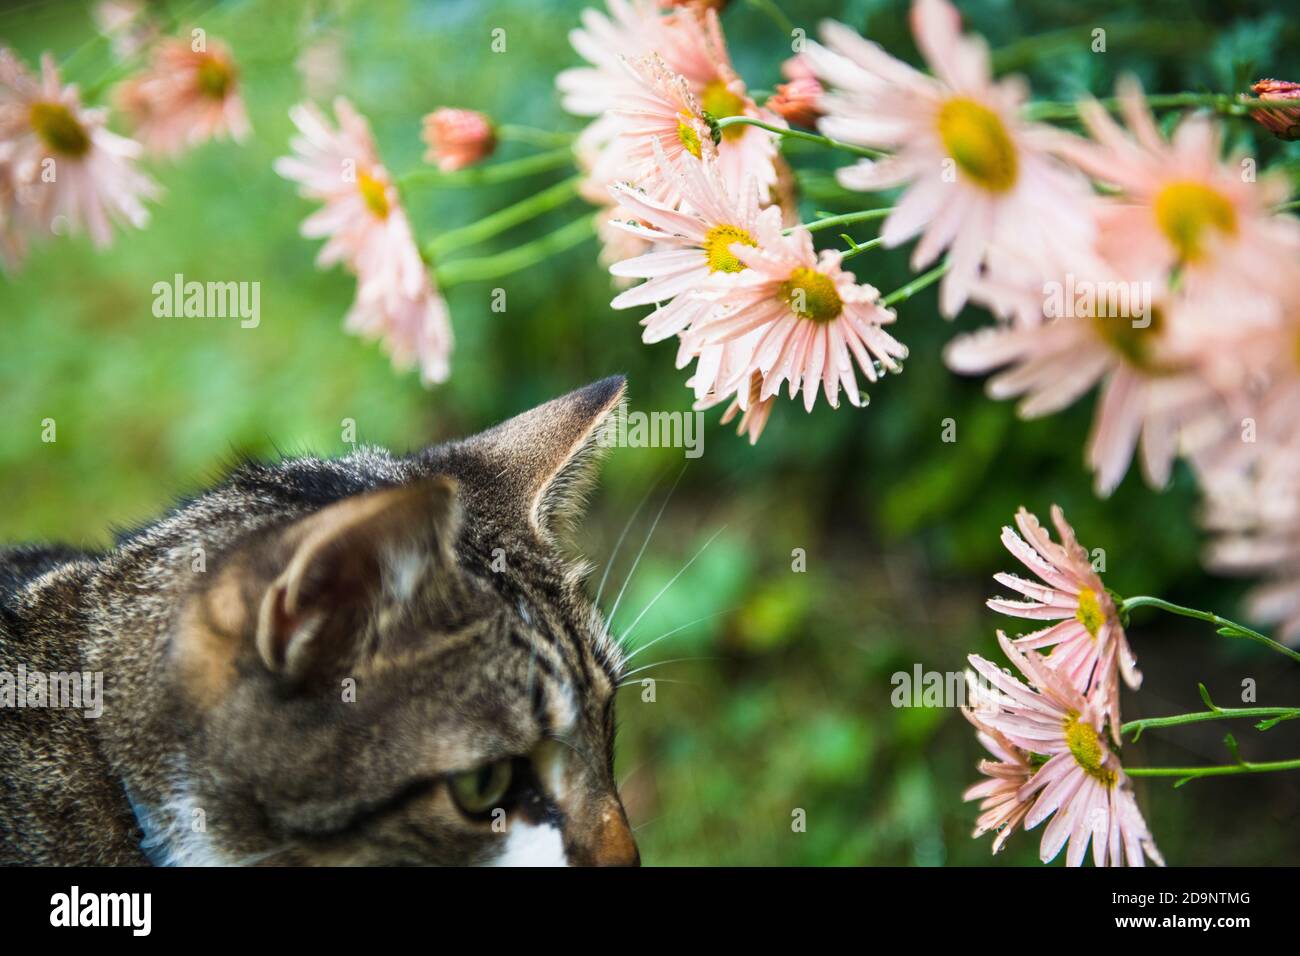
374 659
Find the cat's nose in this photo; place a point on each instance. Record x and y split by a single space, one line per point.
614 845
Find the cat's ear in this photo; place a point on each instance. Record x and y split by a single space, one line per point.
544 460
338 561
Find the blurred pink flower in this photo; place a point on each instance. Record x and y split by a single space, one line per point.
68 171
1182 214
127 23
812 317
368 232
1283 120
1150 389
1002 808
185 97
662 114
457 138
977 176
1082 786
1088 645
691 243
13 244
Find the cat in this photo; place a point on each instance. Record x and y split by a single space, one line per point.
368 660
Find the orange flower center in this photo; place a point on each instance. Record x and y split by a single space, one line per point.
720 102
374 194
1189 212
59 129
978 142
717 247
811 295
216 77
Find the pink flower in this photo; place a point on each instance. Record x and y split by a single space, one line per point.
127 23
810 318
1082 787
186 97
1181 213
799 100
977 177
1283 121
1088 645
368 232
1002 808
13 244
661 115
691 243
1150 388
671 55
457 138
67 168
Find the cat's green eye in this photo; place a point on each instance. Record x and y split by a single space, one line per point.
480 790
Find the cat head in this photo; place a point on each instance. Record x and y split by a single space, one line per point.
414 674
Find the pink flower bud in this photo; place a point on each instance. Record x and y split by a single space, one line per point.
1284 122
457 138
797 101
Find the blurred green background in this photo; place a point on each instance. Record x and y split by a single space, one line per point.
785 703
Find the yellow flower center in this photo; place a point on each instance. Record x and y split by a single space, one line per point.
215 77
1086 747
1187 211
811 295
1090 614
1134 343
717 247
978 142
59 129
719 102
374 194
688 137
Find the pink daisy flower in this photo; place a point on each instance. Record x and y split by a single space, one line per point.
815 319
692 241
687 43
457 138
1081 786
13 244
661 115
185 97
67 168
1002 809
1282 120
976 175
367 230
1088 644
1182 212
1150 389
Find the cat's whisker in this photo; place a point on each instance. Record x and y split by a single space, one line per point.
641 826
667 634
671 581
609 623
619 543
657 680
671 660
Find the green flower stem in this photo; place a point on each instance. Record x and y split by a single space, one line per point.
857 248
520 257
490 174
1226 627
1294 204
801 134
1222 770
846 219
1225 103
1152 36
922 281
503 219
1221 713
513 133
775 13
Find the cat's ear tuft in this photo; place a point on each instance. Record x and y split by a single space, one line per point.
545 460
340 560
